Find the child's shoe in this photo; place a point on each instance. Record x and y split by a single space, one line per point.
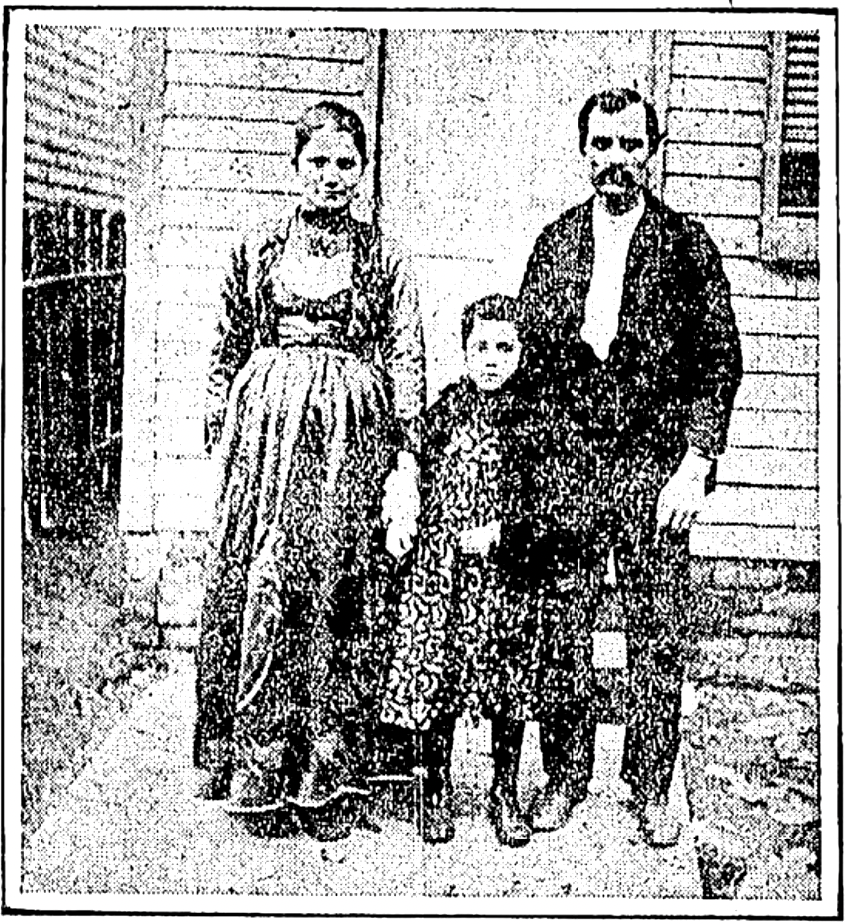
512 829
438 825
553 807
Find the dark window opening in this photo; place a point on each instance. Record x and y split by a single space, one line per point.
799 183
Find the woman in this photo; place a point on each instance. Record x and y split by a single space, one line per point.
316 389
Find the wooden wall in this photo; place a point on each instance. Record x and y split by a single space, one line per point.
75 98
228 101
717 97
479 153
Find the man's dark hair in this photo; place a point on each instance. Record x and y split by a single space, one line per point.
489 308
611 101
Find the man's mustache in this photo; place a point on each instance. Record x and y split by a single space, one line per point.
620 176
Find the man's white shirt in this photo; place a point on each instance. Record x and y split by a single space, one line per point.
612 235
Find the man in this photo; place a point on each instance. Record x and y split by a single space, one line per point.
628 318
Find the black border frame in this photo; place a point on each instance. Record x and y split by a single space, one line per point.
381 33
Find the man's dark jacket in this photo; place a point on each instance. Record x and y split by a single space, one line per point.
674 367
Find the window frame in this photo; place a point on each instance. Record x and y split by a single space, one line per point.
789 238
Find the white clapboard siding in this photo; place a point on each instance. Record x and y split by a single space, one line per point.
717 97
209 249
719 61
181 437
713 196
758 506
753 278
767 315
772 353
177 399
777 392
708 93
67 44
715 127
224 170
189 318
234 210
53 120
176 353
236 103
713 160
211 69
777 467
753 39
202 134
183 292
75 94
736 237
790 542
184 476
350 45
773 429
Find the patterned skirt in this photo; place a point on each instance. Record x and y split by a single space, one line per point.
469 639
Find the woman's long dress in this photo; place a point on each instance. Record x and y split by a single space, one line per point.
290 645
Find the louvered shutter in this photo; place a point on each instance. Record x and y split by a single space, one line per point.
791 162
798 192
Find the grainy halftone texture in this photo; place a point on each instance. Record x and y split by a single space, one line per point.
151 155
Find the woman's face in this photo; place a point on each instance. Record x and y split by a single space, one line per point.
330 169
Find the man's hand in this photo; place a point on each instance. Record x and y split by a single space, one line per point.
401 505
683 496
479 540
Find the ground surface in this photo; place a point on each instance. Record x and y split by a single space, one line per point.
82 661
107 796
751 765
131 824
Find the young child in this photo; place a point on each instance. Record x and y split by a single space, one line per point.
485 622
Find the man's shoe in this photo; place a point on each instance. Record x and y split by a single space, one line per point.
660 827
553 807
512 829
214 784
438 826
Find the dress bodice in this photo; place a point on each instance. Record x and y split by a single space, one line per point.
337 307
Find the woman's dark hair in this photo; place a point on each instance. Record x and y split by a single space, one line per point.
611 101
326 113
489 308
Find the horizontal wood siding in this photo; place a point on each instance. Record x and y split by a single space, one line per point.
75 97
766 504
231 99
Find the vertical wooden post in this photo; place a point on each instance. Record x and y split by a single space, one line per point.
143 232
662 62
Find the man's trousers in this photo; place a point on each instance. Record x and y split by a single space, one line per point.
653 577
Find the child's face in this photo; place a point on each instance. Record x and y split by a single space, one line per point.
492 353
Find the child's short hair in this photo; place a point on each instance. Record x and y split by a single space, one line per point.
490 308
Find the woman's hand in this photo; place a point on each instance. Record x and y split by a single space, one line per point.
479 540
401 505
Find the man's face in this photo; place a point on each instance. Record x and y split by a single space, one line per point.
492 353
617 150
